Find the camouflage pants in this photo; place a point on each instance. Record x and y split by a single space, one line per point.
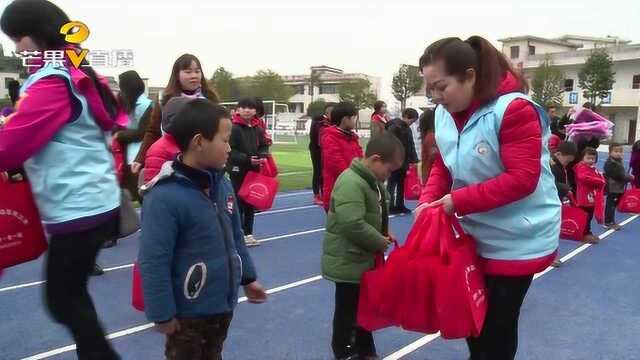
199 339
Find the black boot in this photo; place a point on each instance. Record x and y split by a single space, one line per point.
97 270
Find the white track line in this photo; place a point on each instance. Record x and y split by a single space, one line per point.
143 327
299 193
288 210
147 326
429 338
126 266
294 173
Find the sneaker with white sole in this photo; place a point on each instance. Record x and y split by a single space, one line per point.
250 241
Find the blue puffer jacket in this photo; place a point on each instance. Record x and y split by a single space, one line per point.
192 255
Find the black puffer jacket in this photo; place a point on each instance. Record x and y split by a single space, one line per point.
402 131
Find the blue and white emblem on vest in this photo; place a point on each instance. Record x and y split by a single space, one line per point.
482 148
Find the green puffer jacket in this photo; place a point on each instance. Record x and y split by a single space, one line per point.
354 225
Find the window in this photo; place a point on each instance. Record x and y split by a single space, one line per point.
8 80
636 82
297 89
328 89
532 50
568 85
515 52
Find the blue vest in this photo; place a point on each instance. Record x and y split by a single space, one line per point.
522 230
73 176
142 104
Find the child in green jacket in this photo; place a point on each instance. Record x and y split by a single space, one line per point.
357 230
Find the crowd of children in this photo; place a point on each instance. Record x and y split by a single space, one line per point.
195 229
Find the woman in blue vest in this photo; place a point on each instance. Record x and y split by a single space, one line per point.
492 170
58 133
139 107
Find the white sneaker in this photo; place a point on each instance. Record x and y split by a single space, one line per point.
250 241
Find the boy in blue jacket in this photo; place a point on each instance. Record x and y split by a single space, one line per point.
193 257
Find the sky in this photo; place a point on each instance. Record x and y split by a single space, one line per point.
289 36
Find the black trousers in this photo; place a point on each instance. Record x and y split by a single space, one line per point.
199 338
316 161
349 339
70 260
499 337
589 211
395 186
610 210
247 212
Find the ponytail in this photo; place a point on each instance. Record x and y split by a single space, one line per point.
474 53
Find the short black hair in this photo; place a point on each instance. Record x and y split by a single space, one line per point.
614 145
342 110
410 113
328 105
427 122
589 151
567 148
387 146
378 105
247 102
199 116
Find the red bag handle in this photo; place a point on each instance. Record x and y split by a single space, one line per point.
450 223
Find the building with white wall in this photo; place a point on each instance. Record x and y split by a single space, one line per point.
327 87
570 52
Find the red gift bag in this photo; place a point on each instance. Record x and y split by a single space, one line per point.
412 187
387 295
22 237
574 221
259 190
137 297
598 208
461 295
369 315
269 167
630 201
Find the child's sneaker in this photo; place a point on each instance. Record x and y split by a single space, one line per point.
591 239
614 227
250 241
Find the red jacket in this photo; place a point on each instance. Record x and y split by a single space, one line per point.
163 150
590 183
339 148
520 137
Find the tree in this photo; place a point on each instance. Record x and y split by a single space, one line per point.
406 82
314 79
358 92
225 85
596 77
547 84
267 85
316 108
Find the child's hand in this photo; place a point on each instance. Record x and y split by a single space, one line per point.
255 161
255 293
169 328
388 240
